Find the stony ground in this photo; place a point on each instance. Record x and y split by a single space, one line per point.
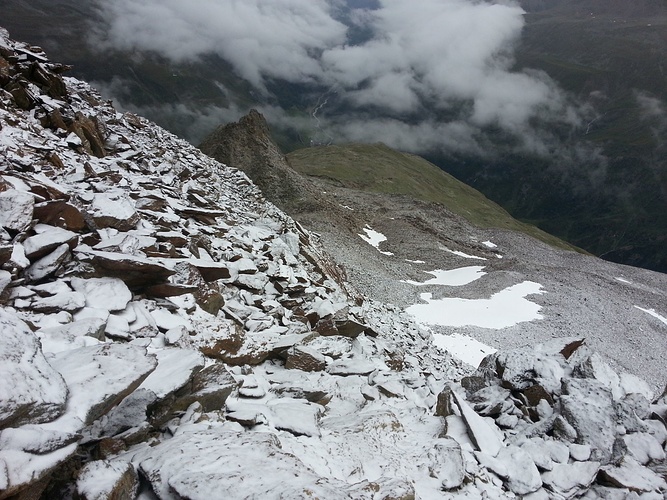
168 333
583 298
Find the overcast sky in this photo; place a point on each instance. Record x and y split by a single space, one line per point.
422 58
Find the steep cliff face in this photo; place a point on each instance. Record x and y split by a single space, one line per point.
167 332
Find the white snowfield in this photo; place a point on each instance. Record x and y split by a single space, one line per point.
452 277
654 314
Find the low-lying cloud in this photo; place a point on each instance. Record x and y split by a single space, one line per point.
425 75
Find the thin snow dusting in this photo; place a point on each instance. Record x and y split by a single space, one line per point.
653 313
453 277
467 349
503 309
462 254
374 239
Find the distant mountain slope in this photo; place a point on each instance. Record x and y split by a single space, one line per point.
380 169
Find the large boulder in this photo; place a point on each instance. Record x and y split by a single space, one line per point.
31 390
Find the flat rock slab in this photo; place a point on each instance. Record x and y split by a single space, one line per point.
175 369
46 240
114 210
99 377
569 480
31 391
110 294
486 438
214 463
136 272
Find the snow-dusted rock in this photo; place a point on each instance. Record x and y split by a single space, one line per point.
481 432
136 272
110 294
16 209
31 390
47 239
297 417
522 474
113 210
81 333
630 474
305 358
48 264
644 447
447 463
569 480
99 377
205 464
588 407
103 480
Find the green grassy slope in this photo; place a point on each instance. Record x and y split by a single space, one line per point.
378 168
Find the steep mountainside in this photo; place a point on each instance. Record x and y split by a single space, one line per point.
168 333
584 295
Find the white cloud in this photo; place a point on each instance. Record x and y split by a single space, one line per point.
421 60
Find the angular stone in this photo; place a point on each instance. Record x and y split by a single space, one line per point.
210 387
99 377
522 474
350 328
110 294
113 210
47 239
109 480
588 407
61 214
207 294
214 463
31 390
446 463
305 358
485 437
569 480
138 273
630 474
48 265
16 209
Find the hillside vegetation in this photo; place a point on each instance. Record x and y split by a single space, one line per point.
378 168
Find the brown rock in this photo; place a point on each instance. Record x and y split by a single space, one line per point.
61 214
87 130
207 295
350 328
305 359
138 273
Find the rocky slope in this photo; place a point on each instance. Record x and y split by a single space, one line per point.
168 333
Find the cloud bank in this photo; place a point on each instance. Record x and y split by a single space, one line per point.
432 74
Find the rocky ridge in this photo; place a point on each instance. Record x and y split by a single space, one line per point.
168 333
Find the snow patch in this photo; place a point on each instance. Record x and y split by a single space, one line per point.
505 308
653 313
467 349
374 239
461 254
452 277
489 244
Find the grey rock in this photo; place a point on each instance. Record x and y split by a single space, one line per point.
446 463
587 405
31 390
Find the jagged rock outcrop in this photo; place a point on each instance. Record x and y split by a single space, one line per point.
247 145
166 328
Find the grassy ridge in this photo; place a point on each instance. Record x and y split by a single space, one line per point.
380 169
